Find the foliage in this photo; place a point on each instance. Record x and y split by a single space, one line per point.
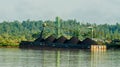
11 33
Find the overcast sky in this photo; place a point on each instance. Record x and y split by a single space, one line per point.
93 11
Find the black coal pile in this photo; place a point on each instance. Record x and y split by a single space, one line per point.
73 40
42 40
62 39
50 39
88 41
39 40
79 42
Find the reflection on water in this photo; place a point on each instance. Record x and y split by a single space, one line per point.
14 57
98 58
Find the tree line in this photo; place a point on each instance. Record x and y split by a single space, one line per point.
11 33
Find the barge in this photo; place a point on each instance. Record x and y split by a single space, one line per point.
62 42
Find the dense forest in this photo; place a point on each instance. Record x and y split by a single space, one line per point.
11 33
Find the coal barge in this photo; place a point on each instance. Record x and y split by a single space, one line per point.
63 42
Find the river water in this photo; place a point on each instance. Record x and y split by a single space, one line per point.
15 57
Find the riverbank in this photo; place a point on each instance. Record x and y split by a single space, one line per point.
10 46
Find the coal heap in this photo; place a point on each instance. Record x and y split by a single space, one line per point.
39 39
62 39
73 40
50 39
88 41
79 42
